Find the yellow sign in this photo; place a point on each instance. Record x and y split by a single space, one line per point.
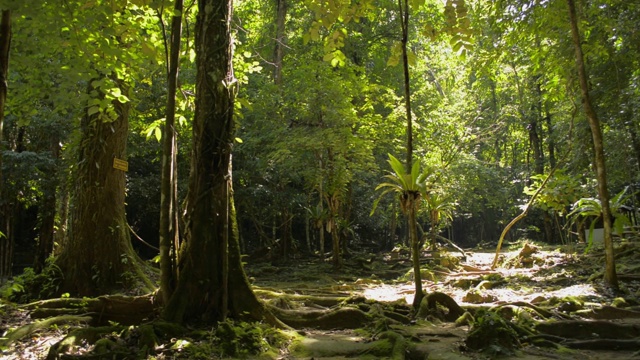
120 164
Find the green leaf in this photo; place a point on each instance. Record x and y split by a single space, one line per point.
93 110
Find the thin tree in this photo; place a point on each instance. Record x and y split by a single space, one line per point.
610 276
5 45
278 54
169 234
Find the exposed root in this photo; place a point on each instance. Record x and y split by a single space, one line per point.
609 313
579 329
31 328
340 318
430 304
127 310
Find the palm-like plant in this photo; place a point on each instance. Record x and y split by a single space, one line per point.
591 207
410 187
440 209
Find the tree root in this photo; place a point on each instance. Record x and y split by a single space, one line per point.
77 337
579 329
604 344
609 313
340 318
430 304
542 313
29 329
325 301
126 310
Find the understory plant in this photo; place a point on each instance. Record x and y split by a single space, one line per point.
586 208
410 187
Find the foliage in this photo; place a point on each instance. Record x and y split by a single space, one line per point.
29 286
492 334
408 185
586 208
559 193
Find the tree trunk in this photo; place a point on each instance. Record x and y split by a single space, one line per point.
281 15
60 236
635 142
550 141
307 232
210 271
321 206
6 250
47 210
415 252
169 234
598 147
98 256
403 7
393 226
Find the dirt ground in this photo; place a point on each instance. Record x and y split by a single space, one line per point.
548 275
563 281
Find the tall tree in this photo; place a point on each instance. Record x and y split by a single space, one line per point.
98 256
169 234
610 276
5 241
210 270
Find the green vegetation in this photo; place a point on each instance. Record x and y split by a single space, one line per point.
214 136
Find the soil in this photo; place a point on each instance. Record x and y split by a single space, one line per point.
554 282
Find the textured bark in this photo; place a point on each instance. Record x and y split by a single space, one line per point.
211 282
98 256
6 248
598 148
169 235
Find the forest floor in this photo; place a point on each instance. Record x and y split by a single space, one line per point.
562 279
533 284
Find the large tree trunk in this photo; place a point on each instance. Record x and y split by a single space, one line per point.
169 235
6 250
598 147
98 256
211 282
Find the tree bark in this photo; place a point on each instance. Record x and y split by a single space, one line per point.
403 7
210 270
169 234
47 211
5 241
98 256
281 15
415 252
598 147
